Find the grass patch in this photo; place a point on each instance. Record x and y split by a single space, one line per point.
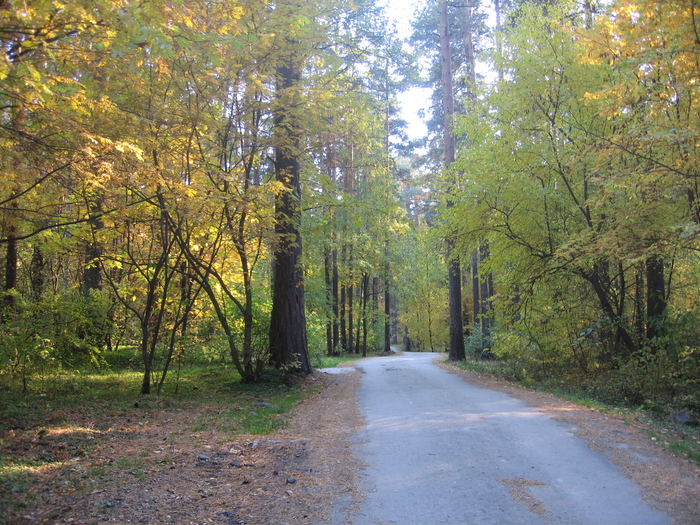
686 449
325 361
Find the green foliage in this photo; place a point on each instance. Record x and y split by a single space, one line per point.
422 293
60 332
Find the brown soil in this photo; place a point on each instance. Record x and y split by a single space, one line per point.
158 471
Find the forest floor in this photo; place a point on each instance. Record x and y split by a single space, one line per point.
155 467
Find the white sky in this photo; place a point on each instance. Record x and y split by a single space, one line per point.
415 99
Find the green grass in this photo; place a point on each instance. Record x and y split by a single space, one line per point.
325 361
686 449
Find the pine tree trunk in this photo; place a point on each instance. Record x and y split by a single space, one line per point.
343 310
456 350
288 342
336 324
329 294
387 318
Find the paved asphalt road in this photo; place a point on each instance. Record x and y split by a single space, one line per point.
439 450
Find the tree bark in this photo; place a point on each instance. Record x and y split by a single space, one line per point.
639 304
601 291
387 318
334 293
486 292
10 267
288 342
92 273
656 296
11 260
476 290
456 350
329 294
36 270
343 309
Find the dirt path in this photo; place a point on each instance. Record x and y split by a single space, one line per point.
158 471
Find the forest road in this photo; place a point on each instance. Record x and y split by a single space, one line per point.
440 450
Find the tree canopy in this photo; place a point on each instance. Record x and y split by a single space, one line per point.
234 177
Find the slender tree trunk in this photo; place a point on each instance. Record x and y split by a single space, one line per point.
365 300
358 330
639 304
11 267
351 319
456 350
92 273
343 331
486 292
468 12
499 39
329 294
351 313
387 318
11 259
336 316
602 292
476 290
36 270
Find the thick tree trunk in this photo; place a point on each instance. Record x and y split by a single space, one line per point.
288 342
